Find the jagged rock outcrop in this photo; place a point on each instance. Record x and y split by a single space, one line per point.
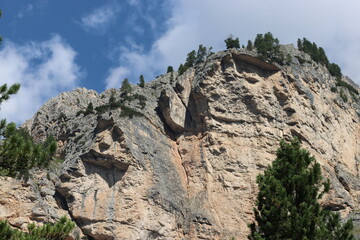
187 168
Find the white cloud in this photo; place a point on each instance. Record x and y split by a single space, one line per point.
44 69
116 76
99 19
331 24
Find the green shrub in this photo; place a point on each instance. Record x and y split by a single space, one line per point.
347 85
129 112
230 42
57 231
301 60
89 110
343 95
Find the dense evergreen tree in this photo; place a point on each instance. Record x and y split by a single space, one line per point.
19 153
287 202
230 42
191 59
316 53
169 69
268 47
335 70
142 81
126 86
201 54
249 45
181 69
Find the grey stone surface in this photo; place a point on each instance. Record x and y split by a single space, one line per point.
187 168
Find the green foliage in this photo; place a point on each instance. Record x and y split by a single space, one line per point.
268 47
191 59
142 81
351 88
129 112
201 54
194 57
287 202
333 89
334 70
288 58
142 100
126 111
301 60
230 42
169 69
5 92
249 45
57 231
102 109
316 53
126 86
19 153
343 95
89 110
181 69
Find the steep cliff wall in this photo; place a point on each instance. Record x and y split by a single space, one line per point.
186 169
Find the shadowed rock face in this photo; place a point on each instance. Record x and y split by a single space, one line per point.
187 168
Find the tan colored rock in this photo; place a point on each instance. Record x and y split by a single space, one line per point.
187 169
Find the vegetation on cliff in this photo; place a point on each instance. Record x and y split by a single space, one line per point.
287 202
195 57
57 231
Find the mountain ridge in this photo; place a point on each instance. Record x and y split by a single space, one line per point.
186 168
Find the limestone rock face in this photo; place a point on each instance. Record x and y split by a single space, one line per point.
187 168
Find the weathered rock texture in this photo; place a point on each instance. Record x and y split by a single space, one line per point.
187 168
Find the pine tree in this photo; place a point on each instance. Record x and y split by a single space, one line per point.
125 86
287 202
142 81
169 69
230 42
249 45
181 69
201 54
268 47
191 59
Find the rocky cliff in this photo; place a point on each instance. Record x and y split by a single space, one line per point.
186 168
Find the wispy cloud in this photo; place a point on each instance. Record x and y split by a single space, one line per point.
31 8
100 18
116 76
44 69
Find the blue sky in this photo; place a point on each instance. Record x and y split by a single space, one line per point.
55 46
